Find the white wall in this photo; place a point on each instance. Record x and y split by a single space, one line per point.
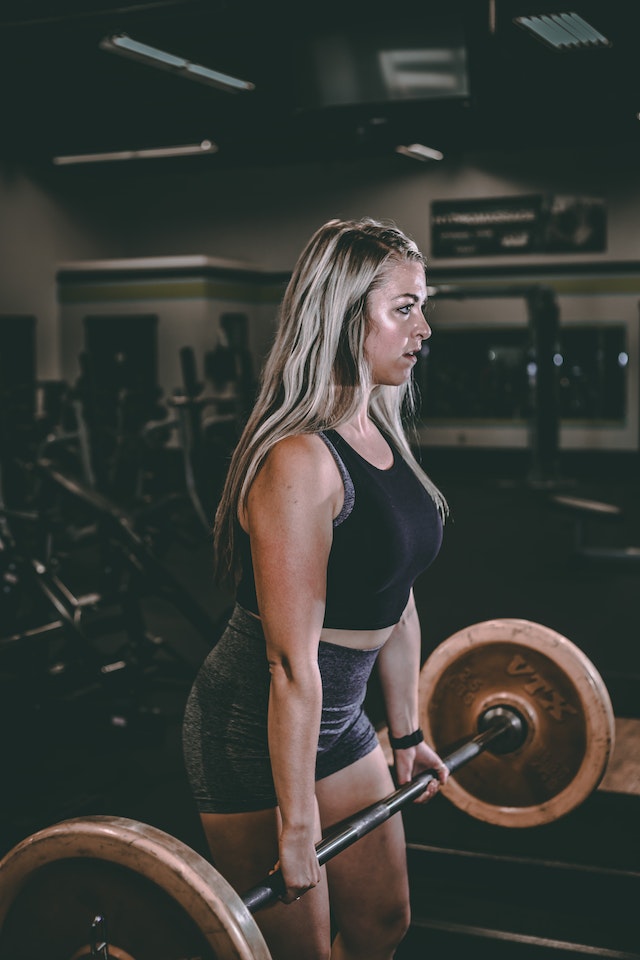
264 214
36 232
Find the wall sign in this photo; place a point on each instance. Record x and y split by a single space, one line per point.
496 226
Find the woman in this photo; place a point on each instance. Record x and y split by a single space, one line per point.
325 521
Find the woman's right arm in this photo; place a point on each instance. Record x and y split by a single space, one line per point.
289 516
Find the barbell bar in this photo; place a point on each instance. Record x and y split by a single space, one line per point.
501 725
504 694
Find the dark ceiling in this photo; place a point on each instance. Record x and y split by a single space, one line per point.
63 94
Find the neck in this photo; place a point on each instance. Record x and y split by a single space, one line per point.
360 424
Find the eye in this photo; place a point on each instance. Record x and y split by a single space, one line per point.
405 310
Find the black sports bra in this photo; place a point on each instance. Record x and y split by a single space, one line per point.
388 531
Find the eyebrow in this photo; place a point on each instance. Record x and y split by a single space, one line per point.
411 296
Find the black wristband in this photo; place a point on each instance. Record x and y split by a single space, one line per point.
411 740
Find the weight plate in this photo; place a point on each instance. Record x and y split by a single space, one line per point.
160 900
554 685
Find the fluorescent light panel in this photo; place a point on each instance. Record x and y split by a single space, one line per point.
417 151
563 30
192 149
126 46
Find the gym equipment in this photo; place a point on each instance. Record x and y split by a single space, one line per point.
543 329
151 895
67 437
90 650
565 707
582 511
120 531
198 413
118 391
103 887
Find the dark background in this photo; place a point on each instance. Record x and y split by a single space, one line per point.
70 96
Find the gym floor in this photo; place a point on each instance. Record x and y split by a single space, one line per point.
508 552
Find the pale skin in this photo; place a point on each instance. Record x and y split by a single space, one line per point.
289 514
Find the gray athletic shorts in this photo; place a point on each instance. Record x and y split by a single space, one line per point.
225 744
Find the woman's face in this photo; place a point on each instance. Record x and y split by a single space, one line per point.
397 323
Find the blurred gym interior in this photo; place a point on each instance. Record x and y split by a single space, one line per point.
132 334
108 491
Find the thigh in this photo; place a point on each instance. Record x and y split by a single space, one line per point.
368 881
244 846
244 849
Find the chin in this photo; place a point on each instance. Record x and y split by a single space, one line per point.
393 378
393 381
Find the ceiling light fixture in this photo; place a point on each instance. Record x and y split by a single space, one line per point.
126 46
192 149
417 151
563 31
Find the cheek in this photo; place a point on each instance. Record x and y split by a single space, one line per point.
377 348
371 341
383 332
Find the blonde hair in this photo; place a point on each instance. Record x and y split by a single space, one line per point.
316 375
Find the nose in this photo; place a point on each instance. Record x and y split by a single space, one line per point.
423 330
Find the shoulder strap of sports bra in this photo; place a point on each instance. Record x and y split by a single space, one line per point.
349 490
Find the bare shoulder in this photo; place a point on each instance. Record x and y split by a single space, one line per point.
299 470
304 455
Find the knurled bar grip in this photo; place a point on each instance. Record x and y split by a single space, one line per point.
371 817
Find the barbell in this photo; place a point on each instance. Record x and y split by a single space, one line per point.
519 699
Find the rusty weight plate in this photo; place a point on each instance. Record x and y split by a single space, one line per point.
553 685
159 898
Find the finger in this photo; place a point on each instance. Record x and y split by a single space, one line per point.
432 788
289 899
441 771
296 894
428 795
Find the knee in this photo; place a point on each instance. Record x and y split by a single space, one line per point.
377 935
395 924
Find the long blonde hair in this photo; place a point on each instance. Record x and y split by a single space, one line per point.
316 375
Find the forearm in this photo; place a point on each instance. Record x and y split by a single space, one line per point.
295 705
399 669
399 672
